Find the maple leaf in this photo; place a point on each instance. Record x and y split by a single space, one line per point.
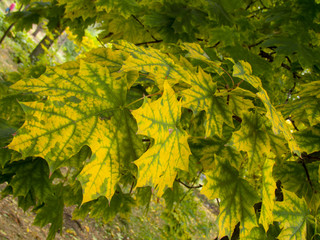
253 138
201 96
293 178
31 175
195 51
151 60
309 139
113 59
237 198
205 151
292 214
243 71
52 212
86 109
158 165
268 194
257 233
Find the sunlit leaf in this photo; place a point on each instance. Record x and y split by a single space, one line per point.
268 194
80 110
153 61
158 166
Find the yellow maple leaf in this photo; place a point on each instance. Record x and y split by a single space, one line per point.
170 151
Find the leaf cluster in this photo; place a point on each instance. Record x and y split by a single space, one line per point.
226 99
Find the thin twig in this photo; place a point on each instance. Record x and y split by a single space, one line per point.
144 27
188 186
289 94
307 173
150 42
100 42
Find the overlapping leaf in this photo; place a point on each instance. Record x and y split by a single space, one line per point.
268 194
201 96
80 110
243 70
237 198
152 61
307 104
31 175
205 151
292 214
253 138
309 139
294 178
158 166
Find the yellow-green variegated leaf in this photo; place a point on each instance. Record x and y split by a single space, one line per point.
201 96
252 138
237 198
292 214
113 59
279 125
152 61
158 166
243 71
268 194
86 109
195 51
309 139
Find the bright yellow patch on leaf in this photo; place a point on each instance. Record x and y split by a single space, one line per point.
158 120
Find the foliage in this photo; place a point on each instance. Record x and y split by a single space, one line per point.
228 92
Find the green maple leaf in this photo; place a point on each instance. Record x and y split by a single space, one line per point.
292 213
309 139
243 71
32 175
201 96
293 178
205 151
86 109
52 212
152 61
268 194
158 166
125 7
78 8
253 138
237 198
